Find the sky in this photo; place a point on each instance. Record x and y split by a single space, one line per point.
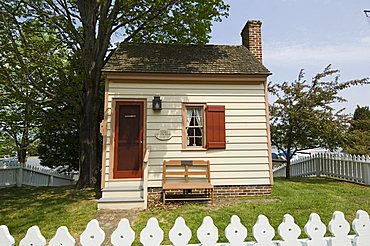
308 35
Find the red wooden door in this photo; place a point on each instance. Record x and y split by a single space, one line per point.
128 159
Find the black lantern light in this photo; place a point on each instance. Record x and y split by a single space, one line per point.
157 103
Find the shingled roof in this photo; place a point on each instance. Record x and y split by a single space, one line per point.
180 58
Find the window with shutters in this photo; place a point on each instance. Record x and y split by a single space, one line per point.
204 126
194 126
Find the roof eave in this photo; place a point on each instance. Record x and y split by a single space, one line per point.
267 73
119 76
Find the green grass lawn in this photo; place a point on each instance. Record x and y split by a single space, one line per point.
298 197
50 208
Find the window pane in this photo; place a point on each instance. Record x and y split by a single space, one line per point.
194 131
198 116
189 114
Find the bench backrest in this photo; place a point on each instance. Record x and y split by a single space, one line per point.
184 170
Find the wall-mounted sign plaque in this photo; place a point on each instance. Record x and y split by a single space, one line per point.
163 135
186 163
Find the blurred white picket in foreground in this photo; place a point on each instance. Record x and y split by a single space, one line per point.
208 234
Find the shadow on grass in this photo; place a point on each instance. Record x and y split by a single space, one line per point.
47 207
312 180
26 195
46 201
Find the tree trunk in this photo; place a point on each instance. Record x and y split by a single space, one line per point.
287 170
21 154
89 161
25 142
93 50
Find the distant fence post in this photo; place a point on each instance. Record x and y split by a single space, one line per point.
51 180
20 175
366 170
317 164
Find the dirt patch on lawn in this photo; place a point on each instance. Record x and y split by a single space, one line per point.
109 219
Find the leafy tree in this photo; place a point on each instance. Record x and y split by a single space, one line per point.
31 69
18 121
86 28
361 119
59 137
302 116
33 149
7 146
358 135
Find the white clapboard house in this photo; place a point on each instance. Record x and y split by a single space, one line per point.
185 104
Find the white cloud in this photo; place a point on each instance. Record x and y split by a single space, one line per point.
347 52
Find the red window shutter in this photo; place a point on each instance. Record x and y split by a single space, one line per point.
216 132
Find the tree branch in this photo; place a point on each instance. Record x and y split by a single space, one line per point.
66 15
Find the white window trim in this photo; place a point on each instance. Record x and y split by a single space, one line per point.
184 125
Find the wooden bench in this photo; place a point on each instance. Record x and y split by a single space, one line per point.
187 175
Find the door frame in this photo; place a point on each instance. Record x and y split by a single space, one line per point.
113 122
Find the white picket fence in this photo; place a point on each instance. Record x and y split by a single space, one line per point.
13 173
350 167
208 234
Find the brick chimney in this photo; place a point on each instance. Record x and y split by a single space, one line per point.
252 38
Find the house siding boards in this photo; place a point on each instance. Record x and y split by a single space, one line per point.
245 160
